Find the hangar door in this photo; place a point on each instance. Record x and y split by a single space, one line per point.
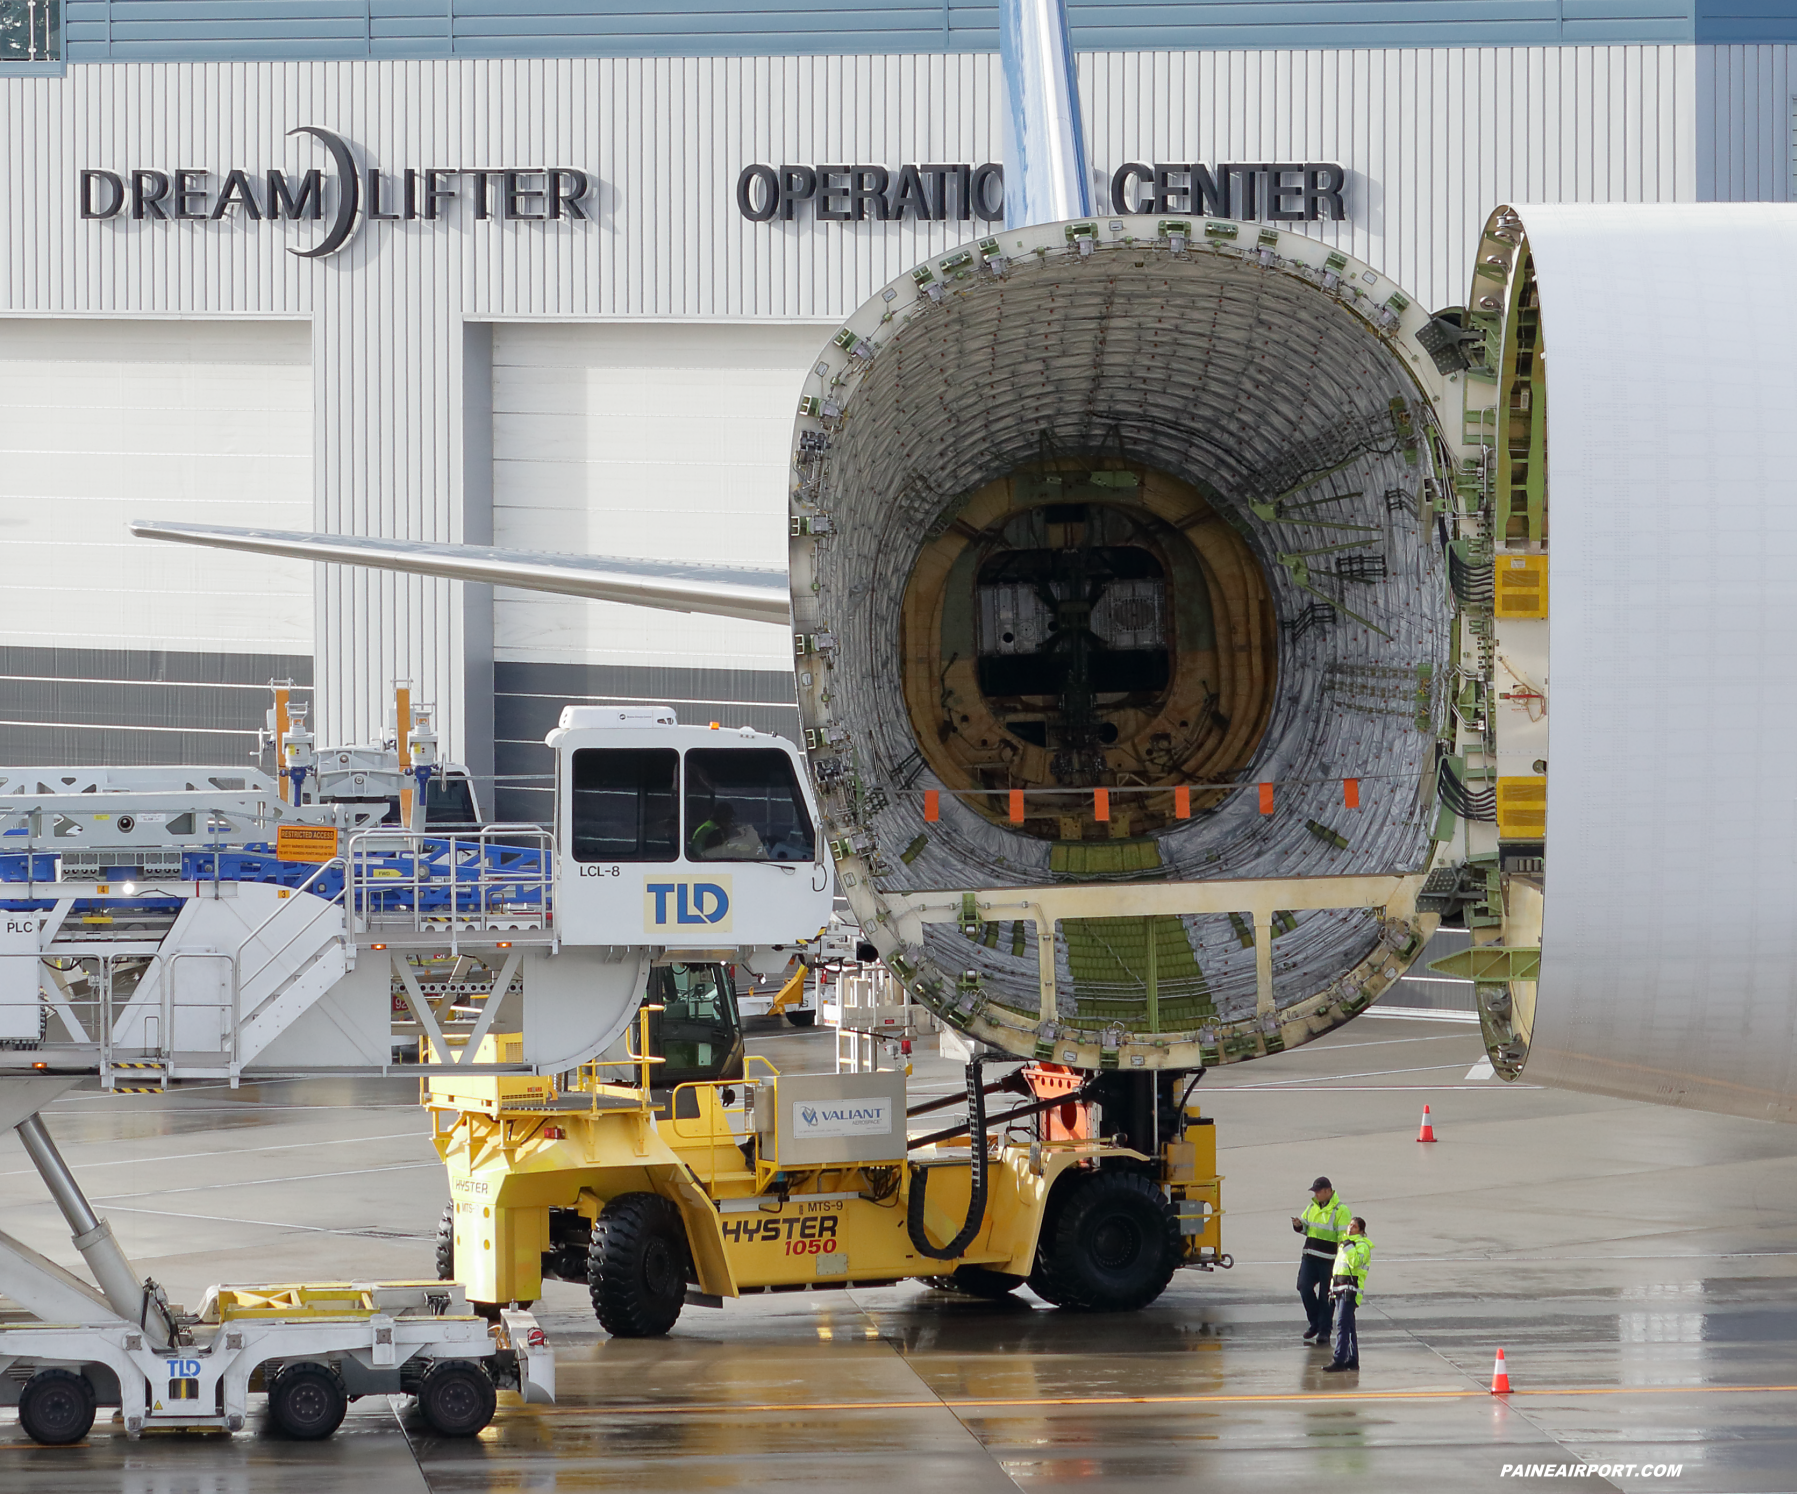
643 440
114 649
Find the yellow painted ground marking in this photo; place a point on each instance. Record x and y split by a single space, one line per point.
1002 1403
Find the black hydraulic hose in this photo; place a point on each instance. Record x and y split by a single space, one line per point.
1000 1121
976 1199
947 1100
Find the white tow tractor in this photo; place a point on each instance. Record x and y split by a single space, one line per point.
310 1348
163 925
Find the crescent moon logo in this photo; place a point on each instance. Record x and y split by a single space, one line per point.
348 193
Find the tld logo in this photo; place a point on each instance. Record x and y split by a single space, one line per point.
687 904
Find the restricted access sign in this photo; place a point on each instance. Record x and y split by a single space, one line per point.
312 843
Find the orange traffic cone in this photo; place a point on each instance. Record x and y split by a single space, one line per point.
1428 1131
1500 1377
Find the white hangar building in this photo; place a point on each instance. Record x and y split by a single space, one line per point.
455 272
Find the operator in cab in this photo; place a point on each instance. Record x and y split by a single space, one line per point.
1323 1224
724 837
1347 1288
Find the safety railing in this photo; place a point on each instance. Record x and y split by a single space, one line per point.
499 877
192 1023
132 1016
716 1134
875 1018
130 1001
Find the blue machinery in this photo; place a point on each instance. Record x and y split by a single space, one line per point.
490 874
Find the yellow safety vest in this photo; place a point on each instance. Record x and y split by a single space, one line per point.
1352 1258
1324 1225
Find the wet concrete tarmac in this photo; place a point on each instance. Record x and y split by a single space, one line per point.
1638 1266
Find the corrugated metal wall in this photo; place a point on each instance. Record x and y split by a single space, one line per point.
1432 140
180 30
1745 97
81 707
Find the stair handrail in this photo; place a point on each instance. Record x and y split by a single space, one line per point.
256 932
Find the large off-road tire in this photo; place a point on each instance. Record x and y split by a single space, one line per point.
802 1019
307 1401
1047 1284
1112 1247
456 1397
978 1281
446 1244
637 1266
56 1407
1044 1280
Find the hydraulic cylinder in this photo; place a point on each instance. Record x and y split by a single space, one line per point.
105 1258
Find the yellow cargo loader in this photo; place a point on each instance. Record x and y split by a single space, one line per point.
1094 1190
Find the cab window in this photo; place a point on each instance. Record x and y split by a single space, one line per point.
745 805
624 804
449 804
695 993
697 1031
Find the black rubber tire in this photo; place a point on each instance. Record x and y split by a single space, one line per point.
446 1244
802 1019
637 1266
1047 1283
56 1407
1044 1280
307 1402
1115 1244
980 1281
456 1397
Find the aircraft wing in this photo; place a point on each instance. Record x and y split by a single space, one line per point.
752 593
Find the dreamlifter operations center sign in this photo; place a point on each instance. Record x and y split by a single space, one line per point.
1276 191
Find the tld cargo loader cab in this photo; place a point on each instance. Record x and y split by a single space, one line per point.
691 840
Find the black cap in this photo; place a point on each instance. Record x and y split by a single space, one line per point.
1321 1183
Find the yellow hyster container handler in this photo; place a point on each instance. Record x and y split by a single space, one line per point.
1093 1190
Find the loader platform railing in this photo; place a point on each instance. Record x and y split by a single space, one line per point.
500 877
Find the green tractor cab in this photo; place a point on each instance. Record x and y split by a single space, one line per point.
698 1032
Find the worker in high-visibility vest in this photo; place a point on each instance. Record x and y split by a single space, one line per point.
1323 1224
1347 1289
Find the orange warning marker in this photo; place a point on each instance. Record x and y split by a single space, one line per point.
1350 793
932 805
1101 804
1182 802
1500 1376
1016 806
1428 1134
1266 798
